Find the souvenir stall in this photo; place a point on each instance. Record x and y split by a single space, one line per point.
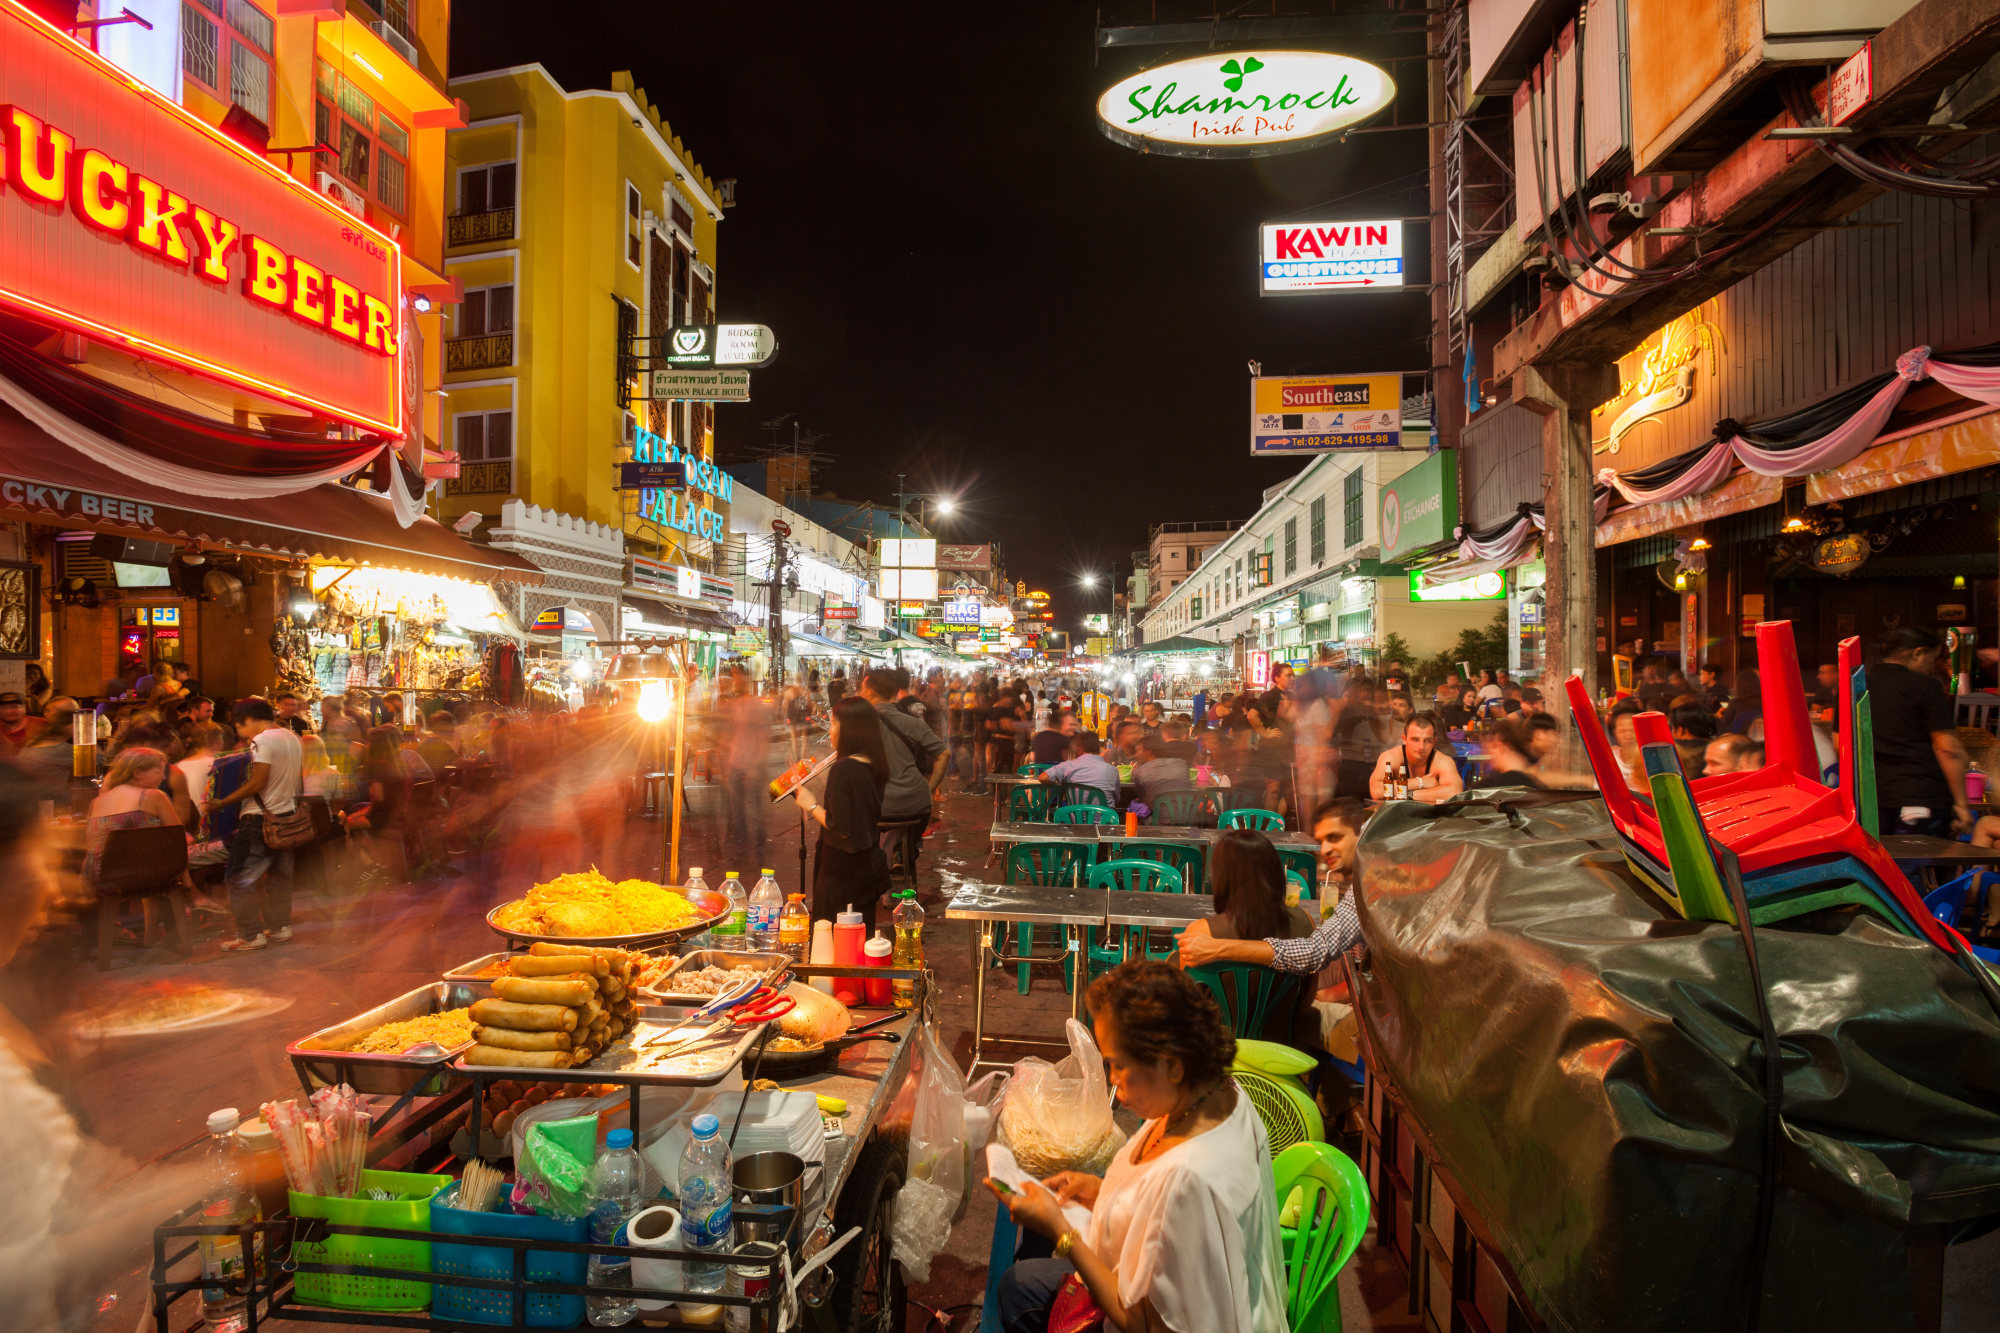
361 628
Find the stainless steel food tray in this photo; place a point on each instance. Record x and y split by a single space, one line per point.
766 964
713 906
320 1061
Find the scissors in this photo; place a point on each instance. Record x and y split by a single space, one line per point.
750 1005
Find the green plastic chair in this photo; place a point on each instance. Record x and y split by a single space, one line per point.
1331 1199
1184 857
1081 793
1050 864
1267 821
1251 996
1085 814
1030 770
1300 861
1029 803
1177 809
1138 875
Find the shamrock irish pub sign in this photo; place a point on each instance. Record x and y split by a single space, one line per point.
1243 103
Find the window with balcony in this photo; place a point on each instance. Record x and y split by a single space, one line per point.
485 330
372 149
396 13
226 49
485 453
1316 529
1350 509
485 204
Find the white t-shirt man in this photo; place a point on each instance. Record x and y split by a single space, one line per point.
278 749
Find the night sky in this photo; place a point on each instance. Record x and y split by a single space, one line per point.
971 284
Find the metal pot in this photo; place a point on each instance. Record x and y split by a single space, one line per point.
770 1195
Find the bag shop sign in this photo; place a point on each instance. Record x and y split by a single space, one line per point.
128 220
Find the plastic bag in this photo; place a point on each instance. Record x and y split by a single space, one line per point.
943 1126
1058 1117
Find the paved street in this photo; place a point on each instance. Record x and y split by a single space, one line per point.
149 1096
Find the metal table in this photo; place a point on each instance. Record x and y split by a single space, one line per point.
1069 908
1928 857
1006 834
1000 784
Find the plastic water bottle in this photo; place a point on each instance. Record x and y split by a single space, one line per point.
729 930
706 1195
706 940
618 1191
908 918
795 928
766 902
227 1201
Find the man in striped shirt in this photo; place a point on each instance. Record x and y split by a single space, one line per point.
1336 824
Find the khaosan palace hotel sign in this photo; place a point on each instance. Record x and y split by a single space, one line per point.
130 221
1243 103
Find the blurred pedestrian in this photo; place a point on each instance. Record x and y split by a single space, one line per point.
744 742
849 866
1919 763
271 787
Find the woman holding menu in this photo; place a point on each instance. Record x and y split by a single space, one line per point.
850 867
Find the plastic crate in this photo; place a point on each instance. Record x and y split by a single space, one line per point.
481 1305
346 1292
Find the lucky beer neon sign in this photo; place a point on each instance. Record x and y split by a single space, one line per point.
128 219
45 163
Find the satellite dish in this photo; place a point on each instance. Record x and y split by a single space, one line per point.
219 585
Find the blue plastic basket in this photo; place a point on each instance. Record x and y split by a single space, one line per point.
480 1305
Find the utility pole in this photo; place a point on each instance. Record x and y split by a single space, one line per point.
775 630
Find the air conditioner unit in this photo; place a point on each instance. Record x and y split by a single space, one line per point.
338 190
402 45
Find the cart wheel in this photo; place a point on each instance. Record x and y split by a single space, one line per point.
869 1295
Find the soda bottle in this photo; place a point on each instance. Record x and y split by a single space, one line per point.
729 931
766 902
706 940
618 1192
908 919
705 1203
795 928
227 1201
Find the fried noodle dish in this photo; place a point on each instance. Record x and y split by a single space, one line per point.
589 905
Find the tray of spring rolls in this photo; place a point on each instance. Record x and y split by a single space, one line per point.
394 1048
570 1013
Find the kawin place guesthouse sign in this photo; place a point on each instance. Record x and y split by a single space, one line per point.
1242 103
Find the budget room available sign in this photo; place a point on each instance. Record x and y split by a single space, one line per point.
126 219
1242 103
1330 256
1317 414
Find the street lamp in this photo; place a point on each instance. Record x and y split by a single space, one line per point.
946 504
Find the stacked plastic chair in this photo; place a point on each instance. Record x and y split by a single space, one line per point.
1795 844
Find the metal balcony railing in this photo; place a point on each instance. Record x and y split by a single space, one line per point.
482 479
479 352
495 224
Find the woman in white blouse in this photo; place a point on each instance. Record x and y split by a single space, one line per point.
1183 1231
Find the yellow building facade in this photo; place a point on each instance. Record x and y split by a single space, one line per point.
580 223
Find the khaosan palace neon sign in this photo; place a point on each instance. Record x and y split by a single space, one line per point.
125 218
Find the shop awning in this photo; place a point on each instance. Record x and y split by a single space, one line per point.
47 481
1180 643
812 645
656 612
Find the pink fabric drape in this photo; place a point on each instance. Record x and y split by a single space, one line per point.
1837 446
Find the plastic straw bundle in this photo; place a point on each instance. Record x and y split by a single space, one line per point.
323 1145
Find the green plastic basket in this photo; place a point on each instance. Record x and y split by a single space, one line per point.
410 1212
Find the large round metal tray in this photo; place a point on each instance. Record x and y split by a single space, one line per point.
713 906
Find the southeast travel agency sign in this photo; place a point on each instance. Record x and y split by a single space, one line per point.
1242 103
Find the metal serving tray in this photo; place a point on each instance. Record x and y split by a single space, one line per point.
320 1060
713 906
467 974
701 1065
768 965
